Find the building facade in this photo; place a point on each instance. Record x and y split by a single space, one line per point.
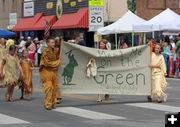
114 9
10 13
147 9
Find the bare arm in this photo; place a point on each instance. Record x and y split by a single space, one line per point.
32 65
2 66
20 68
154 66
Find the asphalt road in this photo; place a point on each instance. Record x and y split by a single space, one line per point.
84 111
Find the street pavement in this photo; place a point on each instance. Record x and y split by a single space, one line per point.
84 111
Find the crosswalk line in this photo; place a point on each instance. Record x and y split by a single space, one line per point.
87 113
153 106
5 119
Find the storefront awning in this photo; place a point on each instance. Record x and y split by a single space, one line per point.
41 24
75 20
26 24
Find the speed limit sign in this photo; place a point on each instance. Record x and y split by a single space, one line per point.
96 14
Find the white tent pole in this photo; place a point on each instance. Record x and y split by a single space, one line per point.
153 34
132 39
116 40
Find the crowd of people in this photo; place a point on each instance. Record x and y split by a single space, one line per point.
171 54
21 57
26 54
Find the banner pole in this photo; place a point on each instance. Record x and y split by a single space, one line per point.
116 40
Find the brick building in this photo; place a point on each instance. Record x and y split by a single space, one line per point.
147 9
7 7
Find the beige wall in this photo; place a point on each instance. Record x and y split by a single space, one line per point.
9 6
114 9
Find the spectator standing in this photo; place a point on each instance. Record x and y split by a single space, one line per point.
124 44
178 44
9 42
21 46
32 51
166 55
41 47
37 43
28 43
80 41
173 44
178 65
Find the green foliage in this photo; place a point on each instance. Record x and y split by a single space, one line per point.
132 5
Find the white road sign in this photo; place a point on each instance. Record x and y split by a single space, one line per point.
96 15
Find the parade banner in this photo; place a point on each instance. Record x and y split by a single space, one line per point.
94 71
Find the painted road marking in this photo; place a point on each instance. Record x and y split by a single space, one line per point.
79 96
4 119
153 106
87 113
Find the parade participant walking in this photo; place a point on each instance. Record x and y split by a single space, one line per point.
158 68
103 45
48 72
3 52
10 63
26 82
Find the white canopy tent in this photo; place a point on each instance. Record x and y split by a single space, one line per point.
123 25
167 20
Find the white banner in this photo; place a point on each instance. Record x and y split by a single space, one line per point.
122 71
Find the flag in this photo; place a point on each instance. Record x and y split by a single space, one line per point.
47 30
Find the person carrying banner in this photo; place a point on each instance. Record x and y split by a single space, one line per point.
49 65
103 45
158 71
58 94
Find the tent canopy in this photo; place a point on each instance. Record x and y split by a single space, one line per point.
167 20
5 34
123 25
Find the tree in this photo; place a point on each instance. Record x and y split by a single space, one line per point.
132 5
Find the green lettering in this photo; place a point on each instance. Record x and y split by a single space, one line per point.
139 52
137 77
130 62
99 82
101 53
107 77
137 62
119 76
134 52
128 77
